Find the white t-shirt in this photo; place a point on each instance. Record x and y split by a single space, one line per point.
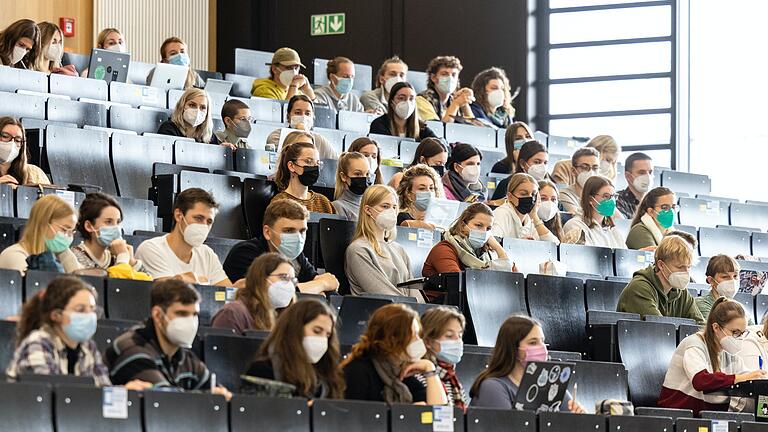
161 262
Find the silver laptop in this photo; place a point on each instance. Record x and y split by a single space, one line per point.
218 86
169 77
109 65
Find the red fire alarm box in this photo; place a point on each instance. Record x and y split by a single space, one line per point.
67 26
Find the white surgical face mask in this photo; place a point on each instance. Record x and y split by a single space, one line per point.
607 169
8 152
374 164
315 347
678 280
728 288
181 331
307 121
547 210
195 234
116 47
391 82
281 293
416 350
582 178
386 219
286 76
538 171
194 117
643 183
470 173
18 54
54 52
731 345
404 109
496 98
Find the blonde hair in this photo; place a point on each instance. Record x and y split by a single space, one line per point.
605 144
674 248
44 211
435 320
102 37
345 160
520 178
204 131
47 31
191 74
406 183
366 225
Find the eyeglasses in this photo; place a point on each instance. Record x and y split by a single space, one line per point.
585 167
738 334
285 277
606 196
65 231
6 137
309 162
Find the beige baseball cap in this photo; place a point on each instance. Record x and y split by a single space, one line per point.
286 57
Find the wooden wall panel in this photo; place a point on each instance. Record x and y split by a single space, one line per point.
52 10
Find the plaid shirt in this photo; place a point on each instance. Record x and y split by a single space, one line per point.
626 203
44 353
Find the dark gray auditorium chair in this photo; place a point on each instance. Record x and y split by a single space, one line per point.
567 422
603 295
11 291
647 363
208 156
587 259
675 321
388 145
228 191
7 343
77 87
26 407
89 165
330 415
639 424
685 330
257 193
562 145
229 356
700 424
748 301
491 297
417 243
26 196
599 381
202 333
128 299
692 184
748 427
254 161
105 335
165 411
132 159
138 120
760 244
673 413
354 315
325 117
80 408
80 113
713 241
478 136
558 303
264 110
628 261
241 84
248 413
335 236
470 366
138 214
212 298
702 213
437 127
485 419
6 201
408 418
334 137
602 332
36 280
490 157
252 62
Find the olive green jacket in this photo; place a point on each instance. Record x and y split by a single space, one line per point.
644 295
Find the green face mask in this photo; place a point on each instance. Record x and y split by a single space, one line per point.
606 207
59 243
666 218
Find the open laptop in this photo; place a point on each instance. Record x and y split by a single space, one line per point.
169 77
543 386
109 65
218 86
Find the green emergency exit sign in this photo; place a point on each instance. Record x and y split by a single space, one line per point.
328 24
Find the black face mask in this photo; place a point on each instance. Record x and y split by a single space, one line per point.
439 168
358 185
310 175
525 205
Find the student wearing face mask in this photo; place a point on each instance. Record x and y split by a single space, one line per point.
493 102
20 44
660 289
14 169
391 72
431 152
419 185
443 100
103 245
443 333
269 285
44 244
181 254
468 243
284 231
532 160
638 170
707 361
352 179
520 340
401 119
593 225
370 149
516 135
654 218
723 278
51 51
303 350
301 116
585 164
518 216
548 211
374 262
237 123
337 94
55 335
109 39
462 180
160 352
608 151
298 168
284 79
191 118
174 51
388 363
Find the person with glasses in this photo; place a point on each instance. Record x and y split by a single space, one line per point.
654 218
269 285
44 244
585 163
338 94
609 150
284 79
593 225
300 115
14 168
298 168
661 288
237 123
55 335
707 361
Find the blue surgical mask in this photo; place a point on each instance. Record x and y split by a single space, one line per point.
291 244
108 234
519 143
59 243
451 351
422 200
344 85
180 59
81 327
478 239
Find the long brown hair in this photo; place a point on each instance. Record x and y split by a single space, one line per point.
11 35
504 355
412 124
36 312
427 148
290 152
723 311
255 295
18 168
649 201
435 320
293 365
527 151
554 225
389 331
481 96
509 143
591 186
361 142
468 214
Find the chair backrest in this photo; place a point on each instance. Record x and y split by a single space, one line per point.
598 381
138 95
184 411
11 292
354 314
264 110
8 340
751 215
77 87
334 137
490 158
760 244
355 121
330 415
388 145
335 236
22 106
105 335
491 297
12 79
90 164
228 192
325 117
639 423
26 406
228 356
279 414
702 213
647 363
562 145
587 259
138 214
80 113
252 62
128 299
529 254
212 298
132 159
690 183
80 408
138 120
241 84
628 261
603 295
487 419
478 136
675 321
208 156
254 161
470 366
565 422
713 241
410 417
558 303
257 193
417 243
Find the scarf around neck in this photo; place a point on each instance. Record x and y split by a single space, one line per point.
467 256
395 390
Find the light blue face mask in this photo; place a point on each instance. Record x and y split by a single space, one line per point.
519 143
81 327
451 351
344 85
478 239
108 234
422 200
291 244
180 59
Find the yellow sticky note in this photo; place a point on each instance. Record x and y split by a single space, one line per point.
702 208
703 429
426 417
491 185
220 296
641 258
412 237
265 159
571 143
